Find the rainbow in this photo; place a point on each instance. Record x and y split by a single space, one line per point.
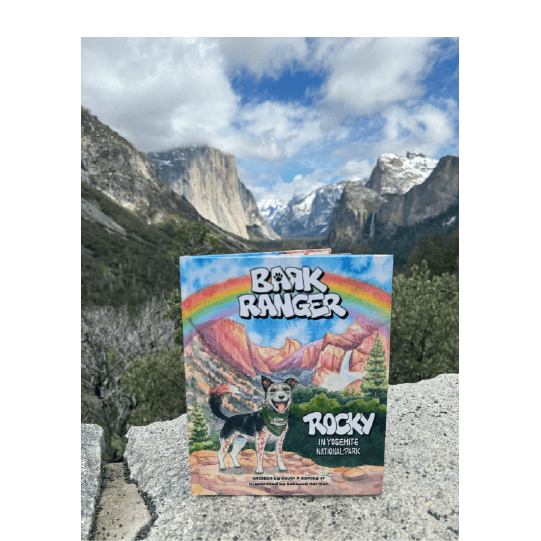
220 300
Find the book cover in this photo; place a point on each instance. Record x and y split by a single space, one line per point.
287 364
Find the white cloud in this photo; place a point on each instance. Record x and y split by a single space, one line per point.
354 169
425 128
255 338
275 131
304 184
341 326
264 56
380 271
213 272
367 74
285 191
160 93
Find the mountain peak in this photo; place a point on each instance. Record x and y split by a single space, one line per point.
309 215
398 174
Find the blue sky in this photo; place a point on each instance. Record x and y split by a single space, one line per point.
298 113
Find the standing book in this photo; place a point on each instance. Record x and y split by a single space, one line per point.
287 366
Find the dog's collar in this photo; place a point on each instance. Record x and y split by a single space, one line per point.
275 422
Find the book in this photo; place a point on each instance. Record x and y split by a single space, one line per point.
287 366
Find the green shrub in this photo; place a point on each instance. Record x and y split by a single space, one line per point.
424 326
157 383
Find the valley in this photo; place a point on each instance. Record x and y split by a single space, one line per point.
140 213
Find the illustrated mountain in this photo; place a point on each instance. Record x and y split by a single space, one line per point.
224 345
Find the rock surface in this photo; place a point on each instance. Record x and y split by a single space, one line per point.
272 209
92 449
310 215
123 511
420 485
352 214
208 178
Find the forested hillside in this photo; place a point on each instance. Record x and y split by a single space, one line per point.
126 261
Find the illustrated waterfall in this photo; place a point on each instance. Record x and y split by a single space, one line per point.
337 382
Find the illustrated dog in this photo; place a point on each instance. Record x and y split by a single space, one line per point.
267 425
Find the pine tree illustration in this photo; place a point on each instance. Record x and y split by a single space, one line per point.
375 382
199 436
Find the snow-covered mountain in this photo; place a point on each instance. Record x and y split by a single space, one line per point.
398 174
272 209
310 215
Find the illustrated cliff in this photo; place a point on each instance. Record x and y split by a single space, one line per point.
221 351
208 178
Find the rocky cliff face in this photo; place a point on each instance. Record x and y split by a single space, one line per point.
115 167
257 226
352 214
310 215
208 178
434 196
395 198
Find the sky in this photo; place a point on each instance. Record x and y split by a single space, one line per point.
297 113
200 273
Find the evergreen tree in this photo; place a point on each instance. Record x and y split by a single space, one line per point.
425 322
199 436
375 383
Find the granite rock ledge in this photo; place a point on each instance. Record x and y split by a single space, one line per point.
92 449
420 487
